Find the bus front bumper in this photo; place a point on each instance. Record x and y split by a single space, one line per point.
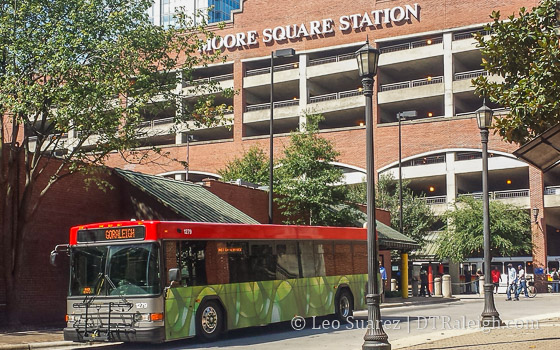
140 335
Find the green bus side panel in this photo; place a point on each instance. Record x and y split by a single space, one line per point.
258 303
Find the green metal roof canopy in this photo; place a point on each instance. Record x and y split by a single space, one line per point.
192 201
390 238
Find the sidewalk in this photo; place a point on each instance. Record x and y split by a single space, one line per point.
410 301
33 339
542 335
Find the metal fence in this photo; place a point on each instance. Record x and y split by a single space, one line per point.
266 70
335 96
469 34
331 59
411 45
209 79
470 75
278 104
412 83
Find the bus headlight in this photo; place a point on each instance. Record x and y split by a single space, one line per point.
149 317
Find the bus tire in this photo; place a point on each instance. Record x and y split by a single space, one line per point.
210 320
344 305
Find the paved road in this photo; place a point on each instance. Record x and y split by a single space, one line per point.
405 326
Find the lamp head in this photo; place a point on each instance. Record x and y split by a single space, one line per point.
368 58
484 116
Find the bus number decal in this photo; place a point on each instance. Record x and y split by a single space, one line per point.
187 231
141 305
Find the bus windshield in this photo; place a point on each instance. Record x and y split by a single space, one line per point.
130 269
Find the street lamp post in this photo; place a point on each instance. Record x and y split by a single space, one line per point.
400 117
375 337
189 139
273 54
490 316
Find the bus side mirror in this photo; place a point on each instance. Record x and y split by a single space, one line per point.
54 254
61 247
174 275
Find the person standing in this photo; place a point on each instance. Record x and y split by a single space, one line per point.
424 290
522 283
477 282
496 278
555 280
511 281
468 282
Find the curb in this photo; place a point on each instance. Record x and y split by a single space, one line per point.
363 313
28 346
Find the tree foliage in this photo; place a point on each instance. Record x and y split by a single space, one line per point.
510 230
524 51
78 79
252 167
418 217
307 181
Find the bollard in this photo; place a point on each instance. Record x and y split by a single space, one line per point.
446 286
414 287
393 285
437 286
481 285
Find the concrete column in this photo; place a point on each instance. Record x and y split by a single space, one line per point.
454 275
538 228
481 285
404 275
437 286
448 74
446 286
303 88
451 182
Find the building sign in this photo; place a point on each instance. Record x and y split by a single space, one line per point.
111 234
316 29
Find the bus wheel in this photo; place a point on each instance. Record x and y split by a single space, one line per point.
209 320
344 305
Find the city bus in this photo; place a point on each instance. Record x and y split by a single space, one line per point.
155 281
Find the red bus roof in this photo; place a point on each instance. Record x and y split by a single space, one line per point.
226 231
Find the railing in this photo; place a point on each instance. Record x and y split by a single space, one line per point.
266 70
278 104
425 161
209 79
435 200
510 194
496 110
331 59
499 194
470 75
154 122
411 45
412 83
552 190
469 156
335 96
469 34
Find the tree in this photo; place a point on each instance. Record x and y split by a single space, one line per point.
418 217
462 237
77 79
307 181
252 167
523 51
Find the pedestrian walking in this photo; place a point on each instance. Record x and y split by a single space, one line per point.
424 290
555 280
511 281
496 274
522 283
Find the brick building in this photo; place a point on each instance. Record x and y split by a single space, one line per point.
428 60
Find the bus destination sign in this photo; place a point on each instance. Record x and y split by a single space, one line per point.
111 234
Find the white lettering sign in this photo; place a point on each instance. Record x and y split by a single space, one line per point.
316 29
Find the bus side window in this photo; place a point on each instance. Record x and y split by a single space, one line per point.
238 260
286 261
171 258
193 266
328 257
359 257
312 259
263 262
343 258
